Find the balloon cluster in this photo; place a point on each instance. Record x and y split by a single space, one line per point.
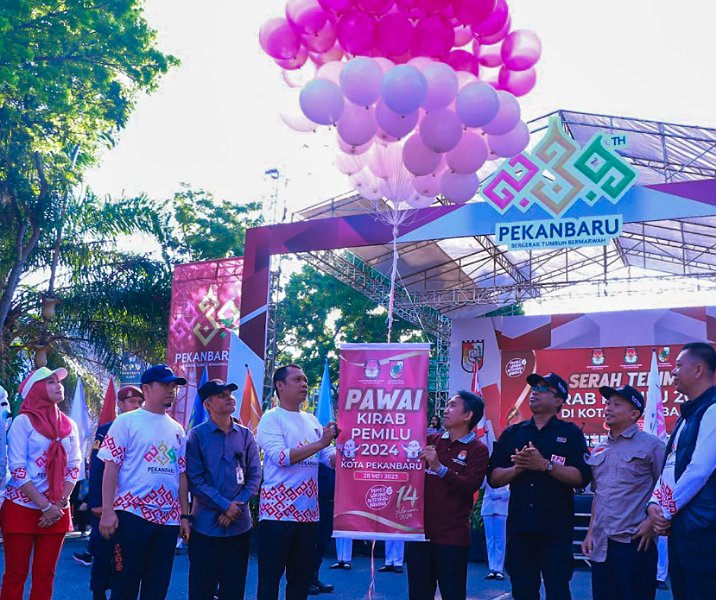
421 92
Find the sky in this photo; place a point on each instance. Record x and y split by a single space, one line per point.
215 120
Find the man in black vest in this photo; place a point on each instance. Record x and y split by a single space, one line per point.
683 504
543 460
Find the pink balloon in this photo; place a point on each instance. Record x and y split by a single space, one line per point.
488 40
461 60
472 11
386 161
337 6
278 39
441 130
330 71
507 117
521 50
395 125
385 63
458 187
463 35
333 55
292 64
420 62
433 37
394 35
306 16
322 40
374 7
464 78
489 56
354 150
427 185
511 143
350 164
418 158
432 6
519 83
357 125
469 155
356 32
492 24
410 9
418 201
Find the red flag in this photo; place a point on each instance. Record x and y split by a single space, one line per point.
250 413
109 408
480 428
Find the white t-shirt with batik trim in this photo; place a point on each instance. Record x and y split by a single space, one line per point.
150 450
27 459
290 492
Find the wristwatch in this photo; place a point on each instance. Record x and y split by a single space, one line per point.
549 466
187 517
47 507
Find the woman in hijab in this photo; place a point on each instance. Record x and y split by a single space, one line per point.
44 459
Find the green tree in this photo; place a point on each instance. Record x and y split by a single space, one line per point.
70 73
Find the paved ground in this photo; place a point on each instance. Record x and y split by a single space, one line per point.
72 580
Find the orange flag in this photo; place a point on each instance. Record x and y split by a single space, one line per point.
109 408
251 412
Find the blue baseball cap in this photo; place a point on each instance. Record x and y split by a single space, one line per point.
630 394
163 374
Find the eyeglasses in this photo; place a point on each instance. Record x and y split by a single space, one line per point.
542 388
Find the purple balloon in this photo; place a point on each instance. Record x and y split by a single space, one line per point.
442 86
472 11
434 37
357 124
507 116
418 158
477 104
374 7
361 78
354 150
441 130
394 35
404 89
492 24
469 155
278 39
511 143
427 185
432 6
519 83
322 101
459 187
395 125
410 9
306 16
356 32
337 6
521 50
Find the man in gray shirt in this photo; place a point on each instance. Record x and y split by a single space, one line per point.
620 540
224 473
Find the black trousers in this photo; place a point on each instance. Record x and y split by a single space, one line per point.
290 547
143 557
692 563
101 551
432 565
325 531
627 574
218 561
532 557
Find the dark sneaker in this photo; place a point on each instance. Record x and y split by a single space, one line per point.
661 585
84 558
323 588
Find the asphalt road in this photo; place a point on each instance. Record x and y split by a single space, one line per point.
71 582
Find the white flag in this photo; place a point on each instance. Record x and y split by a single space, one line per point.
654 422
80 415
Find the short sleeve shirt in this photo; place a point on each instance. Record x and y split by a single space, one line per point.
539 503
150 450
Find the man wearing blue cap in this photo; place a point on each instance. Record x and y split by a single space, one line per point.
145 489
543 461
620 540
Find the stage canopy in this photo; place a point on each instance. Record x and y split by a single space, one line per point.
466 277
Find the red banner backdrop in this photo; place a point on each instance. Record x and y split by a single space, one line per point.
204 312
382 408
586 370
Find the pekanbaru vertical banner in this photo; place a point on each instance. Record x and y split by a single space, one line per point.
382 418
204 314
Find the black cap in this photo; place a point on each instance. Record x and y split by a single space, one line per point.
215 386
627 392
163 374
553 380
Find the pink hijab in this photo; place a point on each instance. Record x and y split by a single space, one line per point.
48 420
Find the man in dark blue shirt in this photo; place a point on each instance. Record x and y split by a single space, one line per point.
224 473
543 460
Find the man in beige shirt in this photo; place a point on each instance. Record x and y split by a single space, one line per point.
620 539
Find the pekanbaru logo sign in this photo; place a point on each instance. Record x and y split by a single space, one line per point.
555 176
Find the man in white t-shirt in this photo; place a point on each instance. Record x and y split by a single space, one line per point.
145 490
293 443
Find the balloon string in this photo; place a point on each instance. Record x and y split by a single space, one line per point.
393 276
371 587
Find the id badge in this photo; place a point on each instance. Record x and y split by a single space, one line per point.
239 476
